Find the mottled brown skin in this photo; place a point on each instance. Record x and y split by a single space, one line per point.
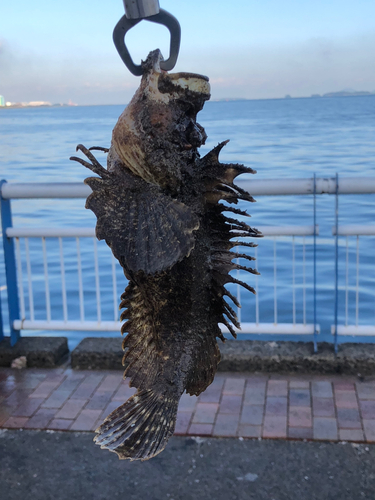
173 242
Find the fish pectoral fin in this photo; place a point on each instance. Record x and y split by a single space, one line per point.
146 229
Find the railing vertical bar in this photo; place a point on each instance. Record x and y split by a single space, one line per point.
46 280
20 278
80 284
114 283
294 279
10 267
304 279
274 282
336 260
257 290
97 284
238 288
314 270
347 282
29 280
357 285
63 284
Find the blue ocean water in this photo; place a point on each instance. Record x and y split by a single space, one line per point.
284 138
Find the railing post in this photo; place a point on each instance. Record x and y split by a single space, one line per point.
336 260
10 267
315 341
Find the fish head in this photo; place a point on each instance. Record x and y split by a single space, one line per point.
157 135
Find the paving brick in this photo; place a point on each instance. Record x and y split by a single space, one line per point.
230 404
87 387
17 397
109 409
15 422
99 401
60 424
187 402
250 431
110 383
183 422
86 420
276 406
366 390
40 419
274 427
45 388
226 425
348 418
351 435
124 392
299 384
277 388
234 386
299 397
4 414
367 409
56 399
369 428
325 428
343 385
255 393
72 381
346 399
252 415
205 413
321 389
200 430
71 408
210 395
27 408
323 407
300 432
300 416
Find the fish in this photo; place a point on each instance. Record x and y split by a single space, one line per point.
163 210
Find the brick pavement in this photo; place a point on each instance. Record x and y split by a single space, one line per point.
235 405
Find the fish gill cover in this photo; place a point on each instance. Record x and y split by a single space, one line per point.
158 207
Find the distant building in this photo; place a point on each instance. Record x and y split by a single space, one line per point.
2 101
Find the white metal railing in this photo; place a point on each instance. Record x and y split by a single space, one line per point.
28 321
351 230
24 314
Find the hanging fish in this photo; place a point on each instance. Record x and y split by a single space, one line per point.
158 208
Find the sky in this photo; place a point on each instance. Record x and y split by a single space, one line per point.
253 49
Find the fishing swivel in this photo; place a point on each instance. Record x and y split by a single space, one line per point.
149 10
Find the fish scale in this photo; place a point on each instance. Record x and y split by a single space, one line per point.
158 208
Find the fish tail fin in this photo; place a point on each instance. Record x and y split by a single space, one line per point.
140 428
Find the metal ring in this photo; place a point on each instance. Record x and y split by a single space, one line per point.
164 18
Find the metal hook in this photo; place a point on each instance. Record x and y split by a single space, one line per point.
164 18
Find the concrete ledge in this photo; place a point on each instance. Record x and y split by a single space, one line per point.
249 356
40 352
98 353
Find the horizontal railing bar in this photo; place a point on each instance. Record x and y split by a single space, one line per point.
288 230
364 330
257 187
355 230
45 190
50 232
88 232
282 328
114 326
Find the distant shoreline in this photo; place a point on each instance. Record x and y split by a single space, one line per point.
329 95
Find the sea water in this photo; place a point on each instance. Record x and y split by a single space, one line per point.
281 138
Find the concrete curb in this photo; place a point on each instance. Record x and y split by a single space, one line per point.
249 356
40 352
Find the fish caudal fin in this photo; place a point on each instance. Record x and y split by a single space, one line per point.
140 428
